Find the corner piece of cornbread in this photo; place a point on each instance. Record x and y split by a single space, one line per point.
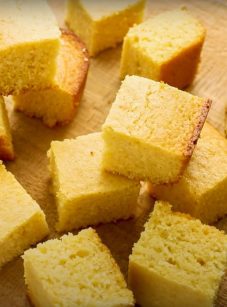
22 222
151 130
102 24
85 194
202 190
6 146
75 271
59 104
165 48
29 44
177 261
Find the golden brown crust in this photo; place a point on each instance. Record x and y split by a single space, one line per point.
6 151
196 133
75 70
221 299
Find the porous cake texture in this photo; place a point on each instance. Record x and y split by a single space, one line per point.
6 146
177 261
151 130
102 24
58 105
75 271
202 190
29 43
22 222
85 194
165 48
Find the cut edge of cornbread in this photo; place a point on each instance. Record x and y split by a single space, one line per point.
32 228
97 37
58 106
68 256
201 192
121 134
126 192
29 46
197 283
179 67
6 145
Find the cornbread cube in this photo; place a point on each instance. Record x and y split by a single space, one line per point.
151 130
75 271
6 146
85 194
59 104
103 24
177 261
164 48
22 222
202 190
29 43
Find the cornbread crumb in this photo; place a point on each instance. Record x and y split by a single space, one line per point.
165 48
177 261
29 44
75 271
103 24
22 222
59 104
86 195
6 146
151 130
202 190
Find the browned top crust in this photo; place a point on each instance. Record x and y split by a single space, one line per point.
73 64
196 133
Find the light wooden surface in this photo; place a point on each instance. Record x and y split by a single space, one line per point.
32 139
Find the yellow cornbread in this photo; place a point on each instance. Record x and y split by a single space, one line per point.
22 222
6 146
151 130
177 261
75 271
29 43
59 104
164 48
85 194
202 190
102 24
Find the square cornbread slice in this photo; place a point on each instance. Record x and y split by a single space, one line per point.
85 194
151 130
202 190
59 104
22 222
177 261
29 44
75 271
103 24
6 146
165 48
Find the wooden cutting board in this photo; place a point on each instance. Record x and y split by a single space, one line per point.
32 139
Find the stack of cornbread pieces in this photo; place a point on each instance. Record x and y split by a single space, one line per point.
155 132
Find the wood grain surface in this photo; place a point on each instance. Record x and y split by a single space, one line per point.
32 139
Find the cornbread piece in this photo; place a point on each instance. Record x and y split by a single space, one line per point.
151 130
85 194
164 48
102 24
29 43
22 222
202 190
75 271
59 104
177 261
6 146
